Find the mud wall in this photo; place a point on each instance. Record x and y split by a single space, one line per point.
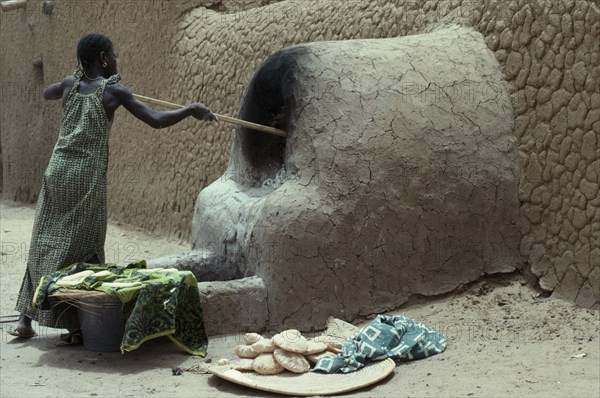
394 184
182 52
39 48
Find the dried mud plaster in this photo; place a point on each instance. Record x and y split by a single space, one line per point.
401 176
204 50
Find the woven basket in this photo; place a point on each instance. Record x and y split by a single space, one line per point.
312 383
100 318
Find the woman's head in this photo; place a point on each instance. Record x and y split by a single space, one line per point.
97 51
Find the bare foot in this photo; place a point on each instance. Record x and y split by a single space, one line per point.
23 329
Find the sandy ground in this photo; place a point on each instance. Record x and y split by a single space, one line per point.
505 339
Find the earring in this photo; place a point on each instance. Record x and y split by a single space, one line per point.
104 64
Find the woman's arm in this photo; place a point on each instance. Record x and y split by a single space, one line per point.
157 119
55 91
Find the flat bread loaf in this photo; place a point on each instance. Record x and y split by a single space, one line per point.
251 338
291 361
242 364
265 364
264 345
291 340
315 347
245 351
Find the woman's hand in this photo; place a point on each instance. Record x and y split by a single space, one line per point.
202 112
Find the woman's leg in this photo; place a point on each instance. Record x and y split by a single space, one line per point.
24 323
23 329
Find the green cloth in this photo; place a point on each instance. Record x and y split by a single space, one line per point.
397 337
162 302
71 214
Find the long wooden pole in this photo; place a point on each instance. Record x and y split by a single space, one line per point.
254 126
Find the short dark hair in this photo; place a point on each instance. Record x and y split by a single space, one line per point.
90 46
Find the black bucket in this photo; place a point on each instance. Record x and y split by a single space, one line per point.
102 323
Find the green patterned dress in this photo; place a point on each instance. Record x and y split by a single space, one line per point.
71 216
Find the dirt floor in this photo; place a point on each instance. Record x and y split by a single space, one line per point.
505 339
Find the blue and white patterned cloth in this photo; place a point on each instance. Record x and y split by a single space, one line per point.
397 337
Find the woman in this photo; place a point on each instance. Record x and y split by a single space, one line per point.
71 217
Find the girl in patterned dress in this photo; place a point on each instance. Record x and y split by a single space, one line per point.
71 215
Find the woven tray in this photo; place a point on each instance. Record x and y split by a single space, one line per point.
308 384
311 383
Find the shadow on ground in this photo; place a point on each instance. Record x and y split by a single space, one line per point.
154 354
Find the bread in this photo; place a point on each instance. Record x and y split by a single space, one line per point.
291 361
242 364
291 340
264 345
334 345
315 347
245 351
265 364
251 338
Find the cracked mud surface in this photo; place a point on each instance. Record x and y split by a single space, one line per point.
399 183
504 340
547 50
